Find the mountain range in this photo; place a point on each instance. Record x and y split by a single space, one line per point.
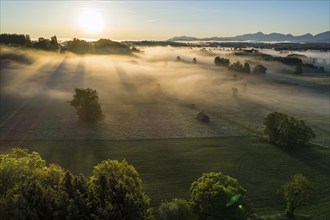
259 36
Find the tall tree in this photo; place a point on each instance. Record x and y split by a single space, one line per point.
297 192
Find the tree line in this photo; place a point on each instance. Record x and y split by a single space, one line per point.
238 67
101 46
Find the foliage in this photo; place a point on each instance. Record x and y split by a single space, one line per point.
15 39
246 68
297 192
298 70
25 40
292 61
46 44
106 46
177 209
85 101
211 196
221 61
259 69
237 66
102 46
287 131
78 46
30 189
117 191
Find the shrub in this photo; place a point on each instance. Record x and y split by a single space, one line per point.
259 69
177 209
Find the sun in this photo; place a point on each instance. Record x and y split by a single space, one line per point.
91 21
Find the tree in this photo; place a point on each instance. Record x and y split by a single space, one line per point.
259 69
106 46
221 61
117 191
54 43
287 131
297 192
177 209
220 196
298 70
15 39
29 188
246 68
85 101
237 66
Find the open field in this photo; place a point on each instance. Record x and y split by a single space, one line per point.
150 95
150 103
169 166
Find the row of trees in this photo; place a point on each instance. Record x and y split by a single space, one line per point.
31 189
25 40
102 46
238 67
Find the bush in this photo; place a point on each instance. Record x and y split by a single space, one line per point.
259 69
221 61
85 101
298 70
238 67
177 209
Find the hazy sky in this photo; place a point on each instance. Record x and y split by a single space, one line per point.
160 20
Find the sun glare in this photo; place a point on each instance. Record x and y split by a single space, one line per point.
91 21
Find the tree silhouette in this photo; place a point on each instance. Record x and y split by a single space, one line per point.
85 101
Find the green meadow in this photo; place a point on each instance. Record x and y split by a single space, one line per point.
169 166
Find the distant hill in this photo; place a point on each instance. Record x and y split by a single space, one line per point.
259 36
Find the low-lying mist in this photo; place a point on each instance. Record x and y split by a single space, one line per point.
155 77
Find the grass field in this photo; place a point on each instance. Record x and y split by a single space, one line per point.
169 166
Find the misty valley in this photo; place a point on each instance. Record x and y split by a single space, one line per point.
175 113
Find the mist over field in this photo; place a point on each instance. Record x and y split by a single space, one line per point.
151 95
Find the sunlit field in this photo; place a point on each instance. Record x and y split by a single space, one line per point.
151 95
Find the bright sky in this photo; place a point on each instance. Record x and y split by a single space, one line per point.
160 20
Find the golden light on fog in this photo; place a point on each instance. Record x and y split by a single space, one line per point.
91 21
